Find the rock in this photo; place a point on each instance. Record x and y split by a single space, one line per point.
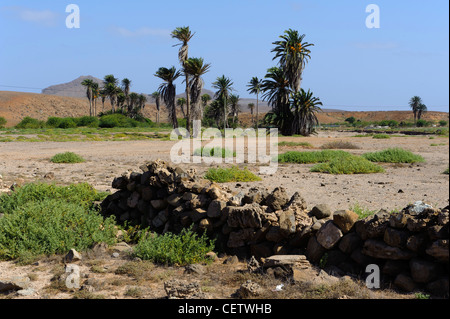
345 219
398 220
423 271
158 204
439 250
181 289
395 238
215 208
439 287
175 200
328 235
205 224
297 203
240 238
49 176
14 284
349 242
274 234
379 249
321 211
395 267
26 292
195 269
287 223
405 283
115 255
197 214
417 243
249 289
246 216
72 256
373 226
417 208
277 199
253 265
314 250
231 260
122 247
299 261
236 200
254 195
437 232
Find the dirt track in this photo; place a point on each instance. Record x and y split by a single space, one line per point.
400 185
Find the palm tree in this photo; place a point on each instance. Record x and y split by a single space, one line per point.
88 83
181 102
205 99
293 54
133 100
276 92
251 106
111 89
196 68
142 101
223 85
168 91
95 96
126 85
235 107
184 35
305 107
157 96
422 109
414 103
254 87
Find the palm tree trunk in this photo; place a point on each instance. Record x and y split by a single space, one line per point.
188 113
257 109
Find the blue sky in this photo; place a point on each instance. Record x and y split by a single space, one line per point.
352 67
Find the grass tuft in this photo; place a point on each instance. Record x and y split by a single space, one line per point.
348 165
233 174
291 144
311 157
214 152
67 158
394 155
339 145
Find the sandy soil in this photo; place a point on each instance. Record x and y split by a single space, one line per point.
397 187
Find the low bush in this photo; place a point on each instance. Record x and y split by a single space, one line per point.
183 249
67 158
347 165
233 174
394 155
88 121
310 157
339 145
302 144
2 122
30 123
381 136
214 152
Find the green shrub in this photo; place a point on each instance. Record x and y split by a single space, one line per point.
381 136
2 122
53 122
233 174
51 226
441 123
302 144
422 123
185 248
82 194
347 165
393 155
362 212
310 157
446 171
214 152
67 122
116 120
88 121
67 158
30 123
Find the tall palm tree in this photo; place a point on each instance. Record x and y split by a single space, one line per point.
305 107
277 90
422 109
168 91
235 107
157 96
126 85
95 96
111 89
293 53
181 101
184 35
251 106
133 102
196 68
142 101
224 86
414 103
254 87
88 83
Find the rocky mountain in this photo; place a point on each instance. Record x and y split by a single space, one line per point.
70 89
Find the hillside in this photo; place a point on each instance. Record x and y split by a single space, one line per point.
14 106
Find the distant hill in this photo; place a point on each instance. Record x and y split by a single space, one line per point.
72 88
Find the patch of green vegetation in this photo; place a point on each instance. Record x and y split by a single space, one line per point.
302 144
446 171
233 174
214 152
347 165
381 136
46 219
183 249
67 158
438 144
394 155
2 122
30 123
362 212
311 157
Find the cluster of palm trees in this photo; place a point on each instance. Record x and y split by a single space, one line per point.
293 109
119 95
417 107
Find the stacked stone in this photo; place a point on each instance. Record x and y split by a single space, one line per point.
410 247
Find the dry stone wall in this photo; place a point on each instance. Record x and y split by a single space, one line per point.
410 247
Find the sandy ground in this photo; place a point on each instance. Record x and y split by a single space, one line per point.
400 185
